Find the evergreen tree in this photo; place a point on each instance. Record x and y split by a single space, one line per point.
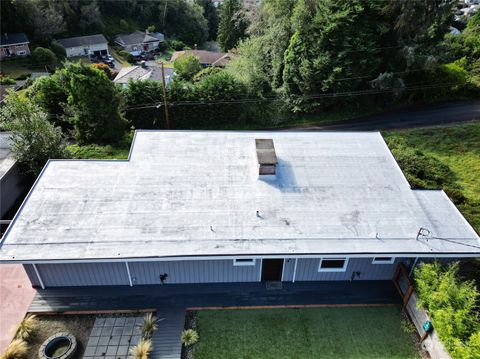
233 24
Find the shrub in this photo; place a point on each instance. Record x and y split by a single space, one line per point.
189 337
142 349
149 325
177 45
26 328
105 68
23 76
44 56
186 67
124 25
17 349
128 56
58 49
7 80
452 306
206 72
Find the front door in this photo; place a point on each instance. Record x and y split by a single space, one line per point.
272 270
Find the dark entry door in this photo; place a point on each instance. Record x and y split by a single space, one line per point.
272 270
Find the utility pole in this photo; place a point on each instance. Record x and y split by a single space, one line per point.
165 103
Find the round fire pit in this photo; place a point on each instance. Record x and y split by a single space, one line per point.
58 346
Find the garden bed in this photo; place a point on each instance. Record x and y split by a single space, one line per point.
328 333
78 325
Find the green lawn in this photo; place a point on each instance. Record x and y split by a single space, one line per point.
457 147
326 333
19 67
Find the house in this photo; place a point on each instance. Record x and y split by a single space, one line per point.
206 58
148 71
12 182
14 45
85 45
211 207
140 41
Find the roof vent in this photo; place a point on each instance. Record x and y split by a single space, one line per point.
267 159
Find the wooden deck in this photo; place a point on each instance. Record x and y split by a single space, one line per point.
212 295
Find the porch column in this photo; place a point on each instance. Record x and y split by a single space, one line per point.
129 275
294 270
38 276
413 267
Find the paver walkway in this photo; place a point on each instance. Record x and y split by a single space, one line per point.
16 294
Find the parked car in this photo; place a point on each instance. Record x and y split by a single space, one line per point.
108 58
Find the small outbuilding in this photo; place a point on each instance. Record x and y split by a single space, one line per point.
85 45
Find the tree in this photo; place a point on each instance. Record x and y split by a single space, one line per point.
105 68
46 21
34 138
186 67
151 28
210 13
93 101
44 56
233 24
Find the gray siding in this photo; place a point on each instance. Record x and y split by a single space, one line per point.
288 267
31 275
307 269
12 190
78 274
199 271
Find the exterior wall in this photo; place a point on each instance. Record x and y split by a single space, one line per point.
139 47
199 271
11 190
15 50
83 274
80 50
209 271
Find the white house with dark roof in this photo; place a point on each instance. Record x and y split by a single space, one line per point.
203 207
14 45
139 41
85 45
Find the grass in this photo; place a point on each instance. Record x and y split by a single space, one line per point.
117 57
327 333
98 152
19 67
458 148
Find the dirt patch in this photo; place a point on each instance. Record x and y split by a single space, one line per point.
79 325
190 323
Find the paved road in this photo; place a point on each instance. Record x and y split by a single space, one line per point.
424 116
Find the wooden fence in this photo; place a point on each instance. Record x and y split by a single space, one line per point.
430 342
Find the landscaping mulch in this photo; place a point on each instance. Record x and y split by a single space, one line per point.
79 325
190 323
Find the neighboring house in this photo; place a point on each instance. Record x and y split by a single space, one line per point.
140 41
145 72
12 184
14 45
85 45
206 58
204 207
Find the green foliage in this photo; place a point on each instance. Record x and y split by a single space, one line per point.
127 56
186 67
452 306
44 56
210 13
124 25
58 49
98 152
233 24
151 28
94 103
177 45
189 337
205 73
34 138
7 80
219 86
142 94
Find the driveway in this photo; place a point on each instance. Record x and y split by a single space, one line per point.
16 294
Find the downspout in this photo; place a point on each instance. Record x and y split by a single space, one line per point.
38 276
129 275
294 270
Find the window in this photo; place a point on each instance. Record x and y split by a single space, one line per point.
244 262
383 260
22 52
333 265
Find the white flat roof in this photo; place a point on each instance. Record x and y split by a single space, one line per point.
197 194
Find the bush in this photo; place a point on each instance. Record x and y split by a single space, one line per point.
17 349
149 325
26 328
44 56
186 67
206 72
177 45
58 49
451 303
23 76
124 25
127 56
7 80
105 68
189 337
142 349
